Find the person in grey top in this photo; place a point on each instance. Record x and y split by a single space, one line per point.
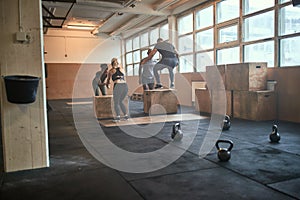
146 76
99 81
169 60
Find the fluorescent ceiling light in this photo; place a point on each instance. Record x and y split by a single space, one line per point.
81 27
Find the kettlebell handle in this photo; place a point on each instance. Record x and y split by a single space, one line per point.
274 128
225 141
176 127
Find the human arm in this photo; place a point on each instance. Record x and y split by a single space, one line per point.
149 57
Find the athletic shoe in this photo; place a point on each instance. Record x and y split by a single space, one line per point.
158 86
126 117
117 119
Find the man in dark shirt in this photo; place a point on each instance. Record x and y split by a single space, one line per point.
169 60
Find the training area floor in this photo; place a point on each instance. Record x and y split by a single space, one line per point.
257 169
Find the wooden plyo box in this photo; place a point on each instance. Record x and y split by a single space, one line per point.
254 105
246 76
165 98
204 101
104 106
216 77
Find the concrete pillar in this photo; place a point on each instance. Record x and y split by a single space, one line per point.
24 126
172 30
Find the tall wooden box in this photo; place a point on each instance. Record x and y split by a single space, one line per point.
165 98
255 105
246 76
104 106
215 77
202 100
206 98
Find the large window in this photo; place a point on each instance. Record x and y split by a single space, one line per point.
136 47
228 34
205 40
260 52
289 19
205 18
259 26
251 6
185 24
289 51
228 55
227 10
224 32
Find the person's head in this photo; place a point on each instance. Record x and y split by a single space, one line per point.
159 40
103 67
149 50
114 62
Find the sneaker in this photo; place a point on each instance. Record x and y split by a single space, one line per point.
172 86
158 86
117 119
126 117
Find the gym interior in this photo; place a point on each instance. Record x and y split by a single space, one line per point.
228 129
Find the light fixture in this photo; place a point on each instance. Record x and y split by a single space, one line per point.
81 27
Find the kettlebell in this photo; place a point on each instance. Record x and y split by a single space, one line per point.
176 132
226 123
274 136
223 153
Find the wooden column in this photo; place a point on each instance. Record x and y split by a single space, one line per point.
24 126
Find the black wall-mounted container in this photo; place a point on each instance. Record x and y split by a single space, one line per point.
21 89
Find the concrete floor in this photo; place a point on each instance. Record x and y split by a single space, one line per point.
257 169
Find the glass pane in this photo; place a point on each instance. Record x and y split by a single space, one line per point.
251 6
128 58
136 42
185 44
228 34
164 32
289 18
128 45
261 52
144 40
283 1
205 39
289 52
227 10
186 63
185 24
154 36
144 53
203 60
204 17
136 56
129 70
259 26
136 69
227 56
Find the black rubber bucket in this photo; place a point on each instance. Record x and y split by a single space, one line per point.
21 88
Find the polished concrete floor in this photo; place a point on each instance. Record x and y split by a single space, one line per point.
257 169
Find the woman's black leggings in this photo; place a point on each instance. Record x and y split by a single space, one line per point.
119 94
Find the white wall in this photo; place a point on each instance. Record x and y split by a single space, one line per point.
79 47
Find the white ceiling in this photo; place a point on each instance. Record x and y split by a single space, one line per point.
111 17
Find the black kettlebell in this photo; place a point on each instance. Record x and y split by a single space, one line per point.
226 123
274 136
176 132
223 153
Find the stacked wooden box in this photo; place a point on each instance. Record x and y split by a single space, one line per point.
245 85
160 101
214 98
104 106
